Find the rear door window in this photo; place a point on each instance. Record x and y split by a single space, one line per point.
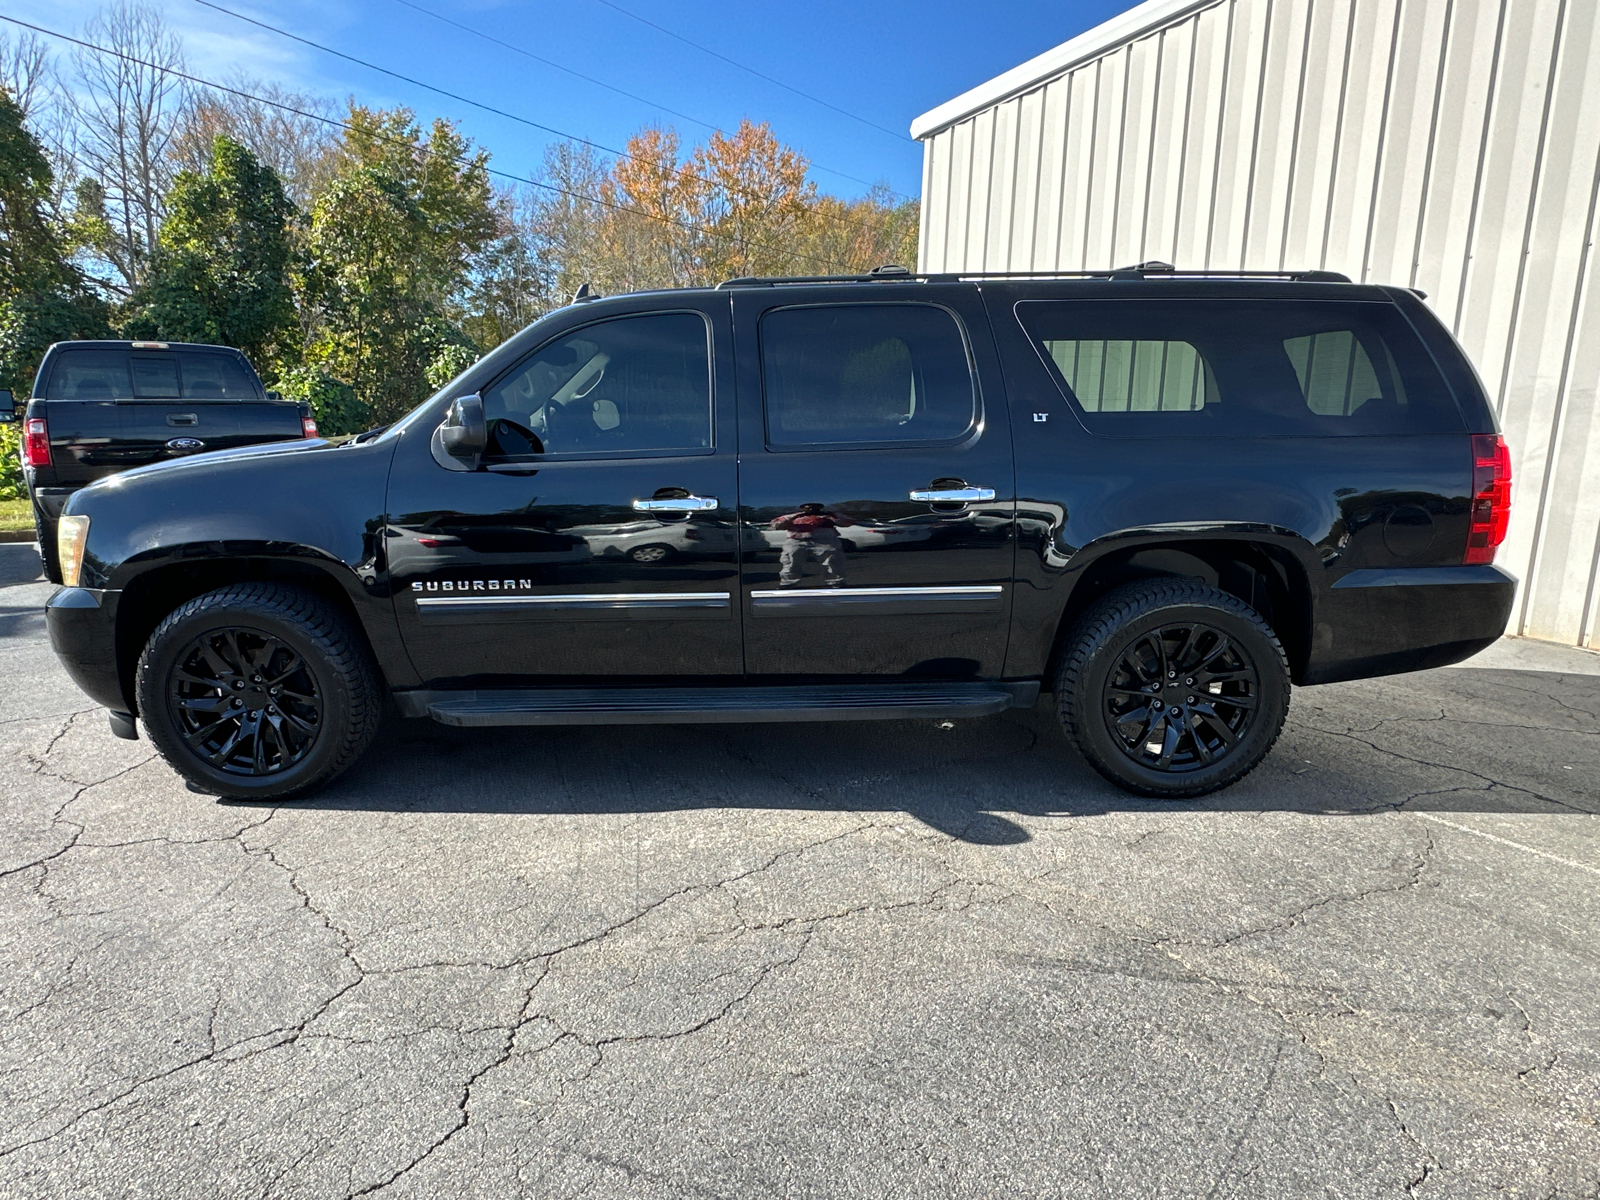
865 375
1240 368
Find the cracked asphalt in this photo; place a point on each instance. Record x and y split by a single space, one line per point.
812 961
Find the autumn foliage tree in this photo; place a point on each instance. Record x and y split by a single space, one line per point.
740 204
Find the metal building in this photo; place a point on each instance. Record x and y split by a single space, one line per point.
1447 145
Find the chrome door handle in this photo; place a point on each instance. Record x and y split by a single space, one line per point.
677 504
965 495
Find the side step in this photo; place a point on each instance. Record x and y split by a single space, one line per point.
696 706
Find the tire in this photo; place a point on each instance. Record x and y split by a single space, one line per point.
284 638
653 553
48 553
1205 728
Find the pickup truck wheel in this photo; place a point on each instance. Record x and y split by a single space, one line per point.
258 692
1173 689
47 547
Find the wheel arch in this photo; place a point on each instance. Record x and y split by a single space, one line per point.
1266 571
150 596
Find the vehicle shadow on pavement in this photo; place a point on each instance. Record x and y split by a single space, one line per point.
1437 741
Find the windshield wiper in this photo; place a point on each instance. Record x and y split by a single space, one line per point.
367 435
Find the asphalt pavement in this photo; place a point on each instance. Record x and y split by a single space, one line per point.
853 960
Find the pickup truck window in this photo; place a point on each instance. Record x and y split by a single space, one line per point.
125 375
627 385
90 375
154 378
865 374
1240 368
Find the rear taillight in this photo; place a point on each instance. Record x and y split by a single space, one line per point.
1491 497
35 443
308 426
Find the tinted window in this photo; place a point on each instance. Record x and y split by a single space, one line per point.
154 377
1240 368
865 374
217 377
630 384
90 375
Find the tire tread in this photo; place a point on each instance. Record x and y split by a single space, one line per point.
341 649
1117 609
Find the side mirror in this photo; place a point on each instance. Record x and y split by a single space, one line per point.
464 434
8 407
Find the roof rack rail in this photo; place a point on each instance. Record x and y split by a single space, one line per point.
1144 270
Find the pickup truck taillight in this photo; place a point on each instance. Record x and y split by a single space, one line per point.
1491 497
35 443
308 427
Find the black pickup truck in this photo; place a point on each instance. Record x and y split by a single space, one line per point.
100 407
1160 497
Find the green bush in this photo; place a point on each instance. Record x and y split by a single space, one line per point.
333 402
450 361
12 484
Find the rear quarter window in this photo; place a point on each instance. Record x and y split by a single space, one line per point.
1240 368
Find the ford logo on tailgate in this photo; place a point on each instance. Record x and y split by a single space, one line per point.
186 445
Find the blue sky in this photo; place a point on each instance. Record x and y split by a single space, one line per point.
885 62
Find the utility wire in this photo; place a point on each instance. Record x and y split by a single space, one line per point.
682 116
690 226
758 74
683 171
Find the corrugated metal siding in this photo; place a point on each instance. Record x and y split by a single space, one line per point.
1449 145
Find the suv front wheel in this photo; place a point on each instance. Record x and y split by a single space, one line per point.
1173 689
258 692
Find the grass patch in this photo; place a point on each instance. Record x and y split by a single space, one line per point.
15 514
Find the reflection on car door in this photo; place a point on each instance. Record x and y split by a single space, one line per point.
606 432
877 493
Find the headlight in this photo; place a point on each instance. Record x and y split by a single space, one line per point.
71 534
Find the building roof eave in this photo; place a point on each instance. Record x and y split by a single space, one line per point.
1138 21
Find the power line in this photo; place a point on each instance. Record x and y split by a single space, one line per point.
758 74
682 171
428 12
690 226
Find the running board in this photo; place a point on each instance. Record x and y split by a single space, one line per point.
696 706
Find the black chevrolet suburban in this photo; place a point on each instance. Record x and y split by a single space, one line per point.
99 407
1159 496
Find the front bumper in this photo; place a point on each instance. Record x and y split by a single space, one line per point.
83 632
1389 620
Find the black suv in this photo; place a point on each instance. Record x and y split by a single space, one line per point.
1159 496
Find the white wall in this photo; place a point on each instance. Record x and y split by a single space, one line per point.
1448 145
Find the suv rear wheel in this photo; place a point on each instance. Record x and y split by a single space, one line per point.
1173 689
258 692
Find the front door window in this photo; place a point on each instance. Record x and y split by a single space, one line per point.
635 385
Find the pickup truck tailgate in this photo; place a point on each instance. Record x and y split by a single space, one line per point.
89 439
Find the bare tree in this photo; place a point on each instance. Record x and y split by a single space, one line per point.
288 131
126 105
25 71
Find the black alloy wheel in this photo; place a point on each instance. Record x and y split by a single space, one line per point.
244 701
1171 688
258 691
1180 697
